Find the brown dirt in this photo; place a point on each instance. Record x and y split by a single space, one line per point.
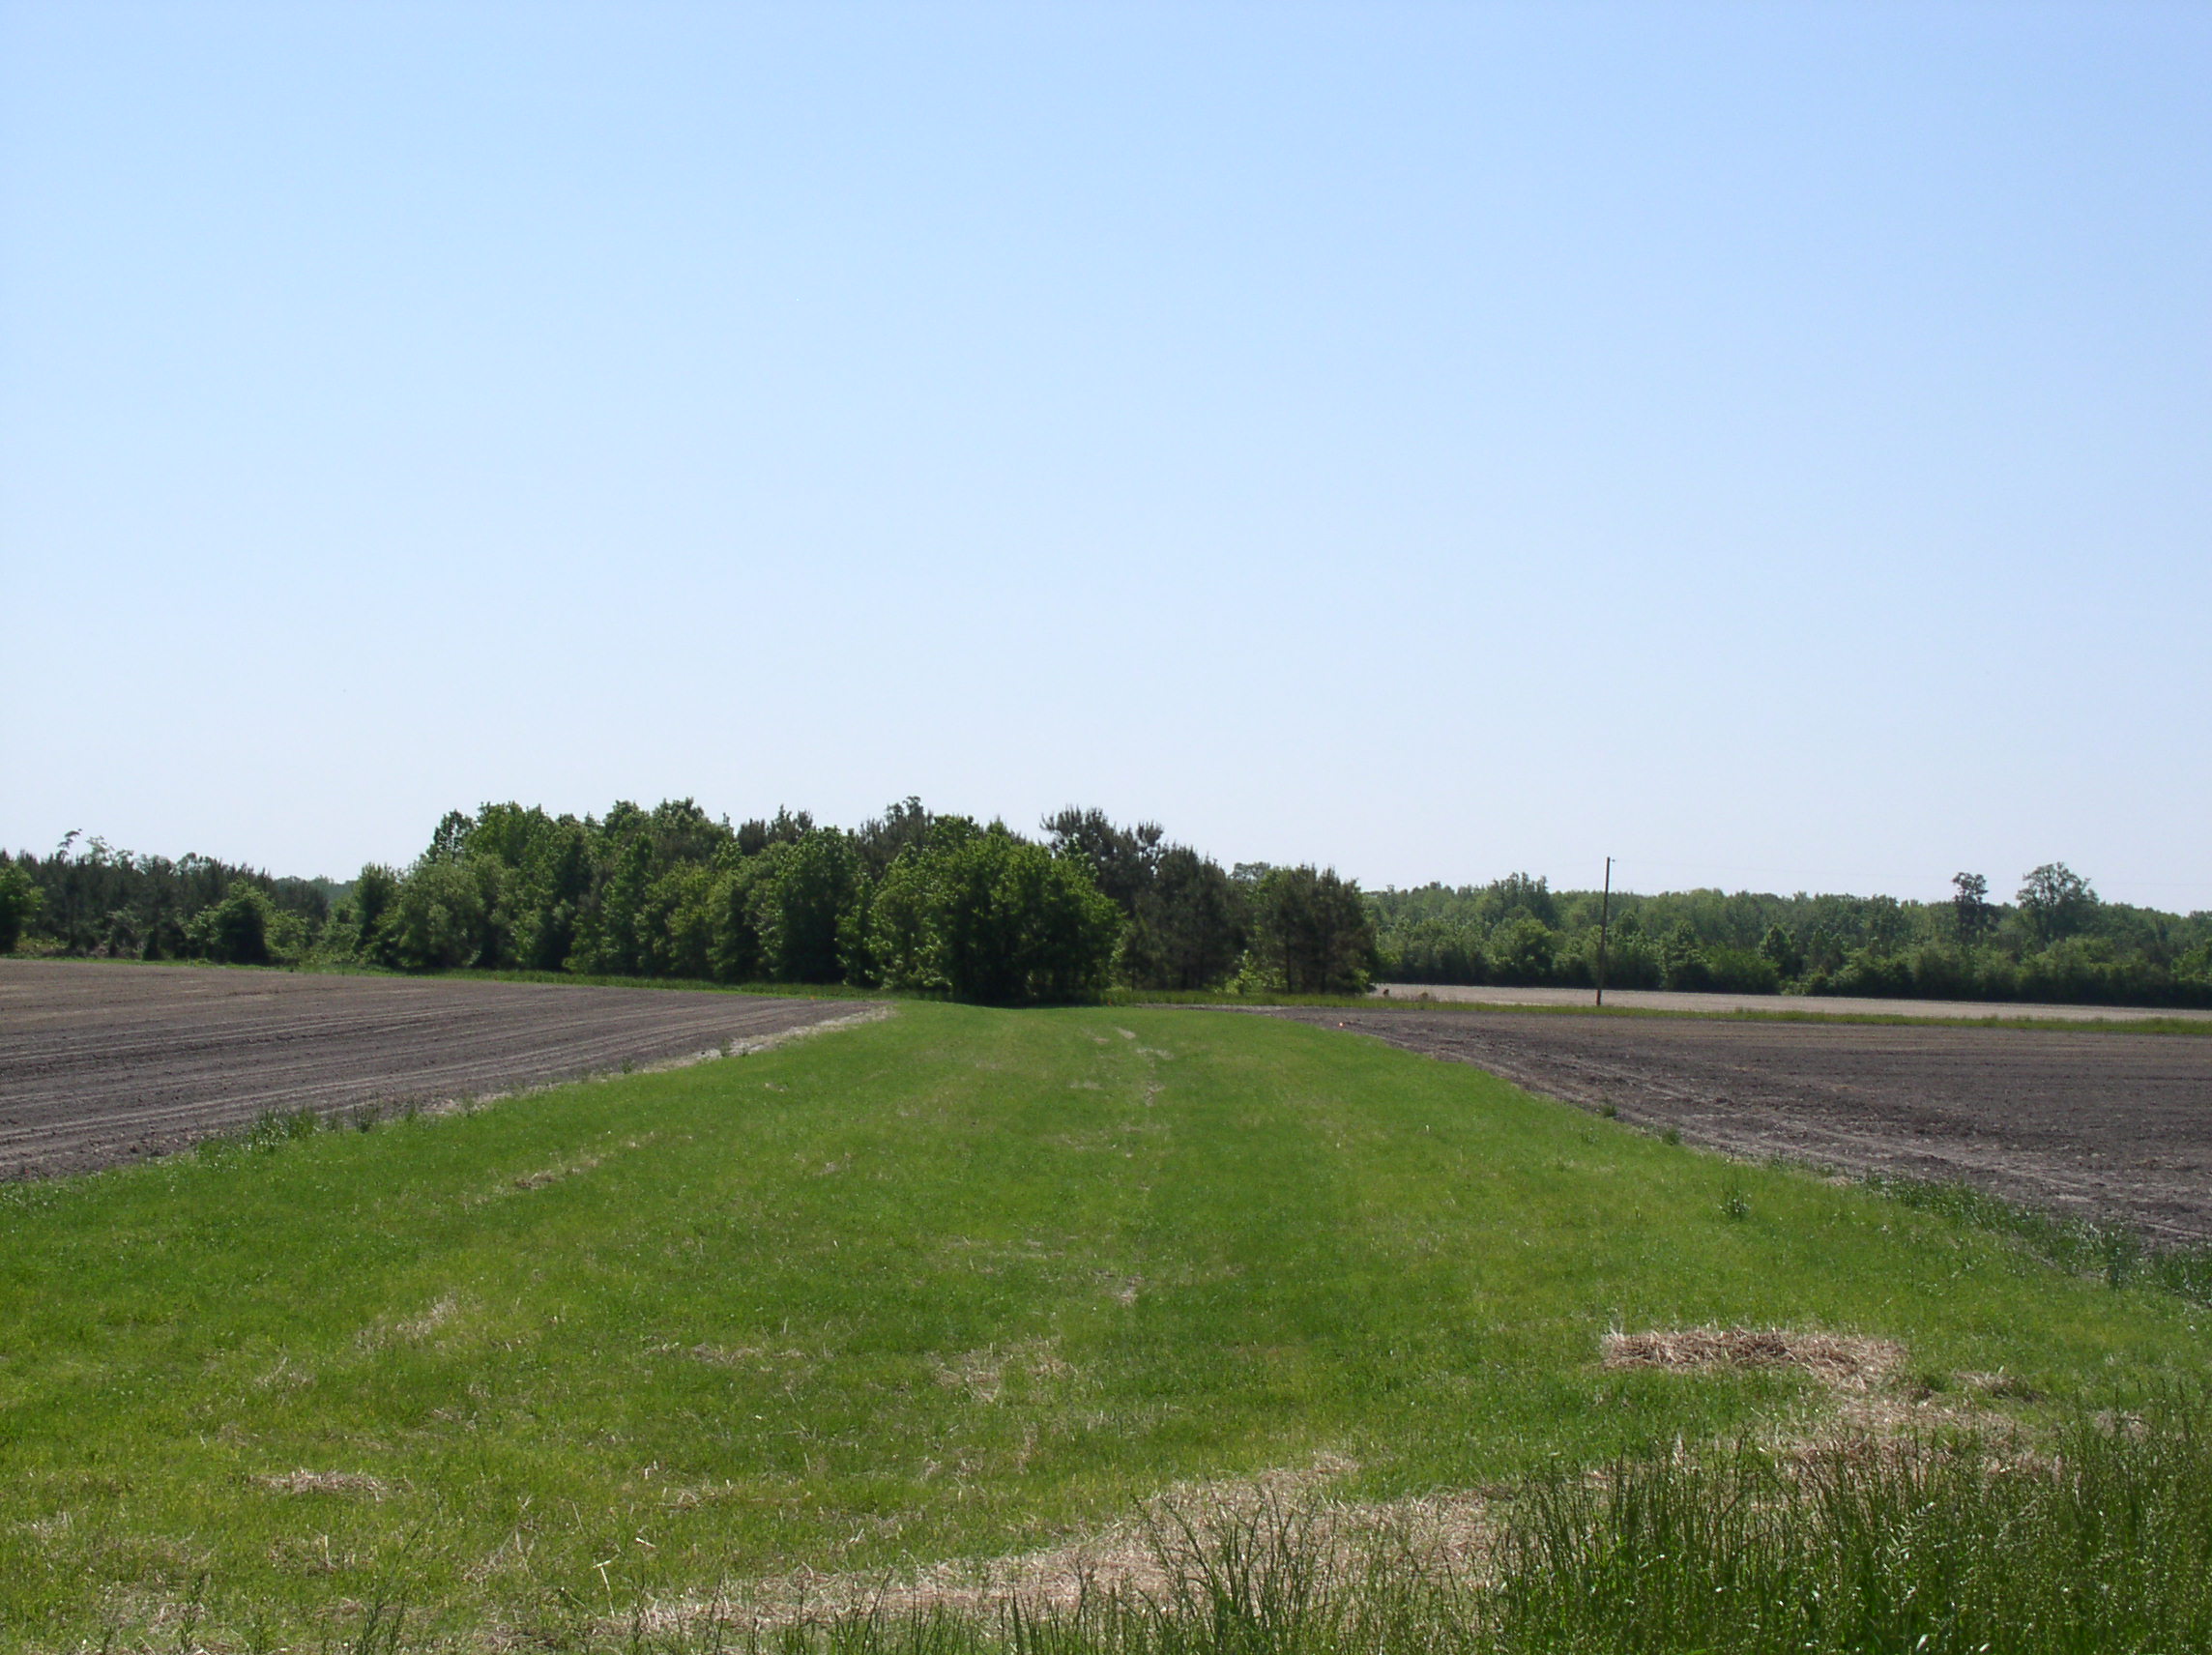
105 1063
2103 1126
1782 1005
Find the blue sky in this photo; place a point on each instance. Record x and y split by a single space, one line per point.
1770 444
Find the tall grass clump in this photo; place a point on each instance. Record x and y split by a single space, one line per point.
1963 1546
1970 1545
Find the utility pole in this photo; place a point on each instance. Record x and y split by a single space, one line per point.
1603 913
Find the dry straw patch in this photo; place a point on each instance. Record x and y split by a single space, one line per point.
305 1482
1284 1519
1847 1362
1280 1519
410 1330
554 1174
1860 1372
982 1374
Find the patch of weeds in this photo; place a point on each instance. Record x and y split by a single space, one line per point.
271 1131
1735 1207
380 1629
2110 1251
1672 1134
1610 1110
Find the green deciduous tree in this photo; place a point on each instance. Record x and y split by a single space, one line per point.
800 900
235 931
440 916
1781 951
988 916
1972 915
2056 901
20 903
1520 950
373 895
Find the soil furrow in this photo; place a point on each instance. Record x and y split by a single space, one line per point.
104 1062
2107 1126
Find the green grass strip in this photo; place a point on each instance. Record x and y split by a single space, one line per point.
951 1284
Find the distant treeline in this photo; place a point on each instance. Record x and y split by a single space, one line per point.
89 898
917 900
2056 940
908 900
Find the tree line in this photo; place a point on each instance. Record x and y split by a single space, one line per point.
916 900
2056 940
910 899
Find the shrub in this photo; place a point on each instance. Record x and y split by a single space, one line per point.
989 917
235 931
1632 962
1740 970
1521 950
1876 975
440 915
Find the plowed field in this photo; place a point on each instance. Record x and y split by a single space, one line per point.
2106 1126
102 1062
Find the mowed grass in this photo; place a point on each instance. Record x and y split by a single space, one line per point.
950 1284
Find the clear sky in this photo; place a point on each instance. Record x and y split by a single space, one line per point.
1771 444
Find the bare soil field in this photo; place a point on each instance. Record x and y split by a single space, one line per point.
107 1062
1791 1005
2104 1125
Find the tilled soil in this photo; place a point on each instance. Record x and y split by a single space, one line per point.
1711 1004
107 1062
2105 1126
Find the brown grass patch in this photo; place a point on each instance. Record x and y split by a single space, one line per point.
304 1482
1279 1519
554 1174
1845 1361
982 1374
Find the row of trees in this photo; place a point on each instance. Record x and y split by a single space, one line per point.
916 900
2056 940
908 900
87 897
